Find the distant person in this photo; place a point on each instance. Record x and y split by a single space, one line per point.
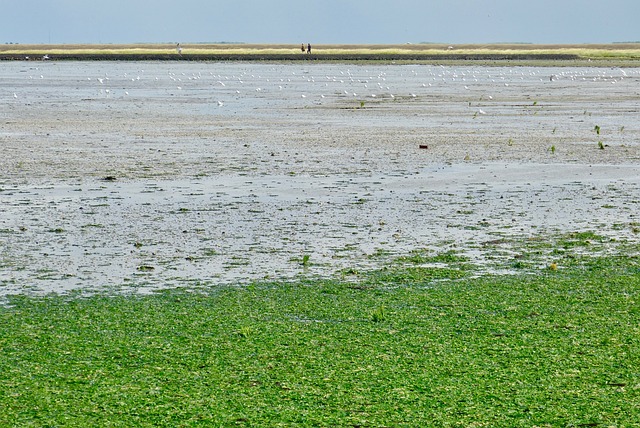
179 49
302 48
309 48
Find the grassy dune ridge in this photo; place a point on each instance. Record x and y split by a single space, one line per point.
622 51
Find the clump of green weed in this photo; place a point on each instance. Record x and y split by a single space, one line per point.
210 252
423 256
244 331
378 315
415 275
305 260
519 264
581 239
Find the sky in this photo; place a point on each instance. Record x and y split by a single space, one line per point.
319 21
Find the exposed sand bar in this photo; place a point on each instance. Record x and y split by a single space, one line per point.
162 174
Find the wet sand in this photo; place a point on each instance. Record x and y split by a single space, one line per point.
145 175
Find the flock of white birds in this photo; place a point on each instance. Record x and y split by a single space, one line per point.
315 83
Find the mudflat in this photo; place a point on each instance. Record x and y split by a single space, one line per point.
146 175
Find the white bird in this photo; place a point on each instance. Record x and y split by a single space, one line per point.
220 103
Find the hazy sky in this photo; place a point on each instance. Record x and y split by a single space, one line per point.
320 21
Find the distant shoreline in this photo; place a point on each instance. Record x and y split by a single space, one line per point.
290 57
623 54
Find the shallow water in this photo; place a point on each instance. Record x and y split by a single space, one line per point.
231 172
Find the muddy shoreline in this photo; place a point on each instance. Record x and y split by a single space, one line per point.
145 175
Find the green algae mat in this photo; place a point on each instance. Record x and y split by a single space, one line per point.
431 344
